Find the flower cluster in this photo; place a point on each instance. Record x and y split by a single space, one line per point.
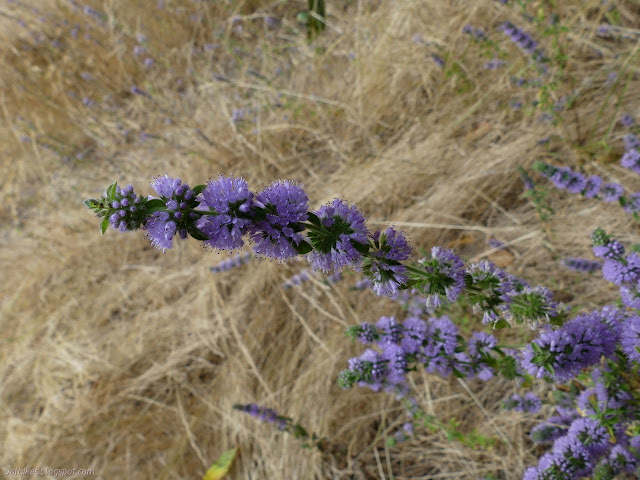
433 343
529 403
177 218
564 352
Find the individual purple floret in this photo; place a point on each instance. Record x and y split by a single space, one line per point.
631 142
632 203
630 338
284 205
581 264
363 284
447 273
264 414
564 352
345 224
626 120
232 262
230 201
631 160
438 60
382 266
592 186
592 434
529 403
611 192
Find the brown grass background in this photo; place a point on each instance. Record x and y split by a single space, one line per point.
121 358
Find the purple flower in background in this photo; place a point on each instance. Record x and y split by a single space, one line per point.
345 225
232 262
592 186
522 39
382 267
631 142
553 428
440 341
264 414
630 338
438 60
626 120
611 192
397 366
529 403
631 160
230 200
415 333
284 205
494 64
632 203
139 50
581 264
148 62
389 330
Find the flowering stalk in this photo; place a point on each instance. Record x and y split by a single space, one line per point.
284 424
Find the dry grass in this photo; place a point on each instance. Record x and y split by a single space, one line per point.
123 359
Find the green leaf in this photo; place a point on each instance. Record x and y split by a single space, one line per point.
155 202
313 219
221 467
198 189
154 205
198 234
91 203
104 225
502 323
111 191
362 248
390 442
303 247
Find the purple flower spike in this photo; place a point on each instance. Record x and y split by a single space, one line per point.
345 225
230 200
284 205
